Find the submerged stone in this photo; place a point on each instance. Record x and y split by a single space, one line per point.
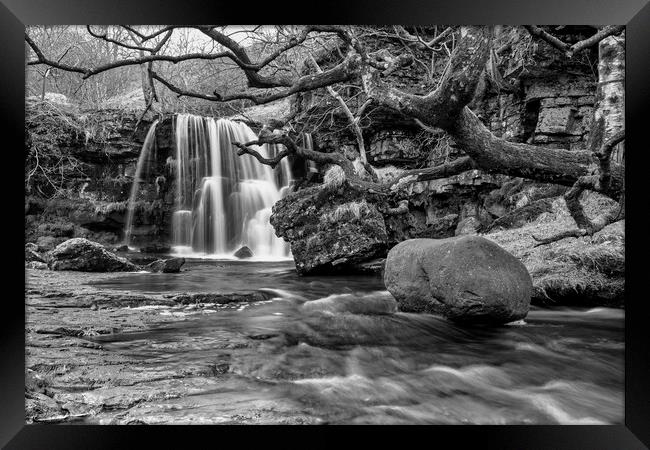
171 265
371 304
221 298
466 279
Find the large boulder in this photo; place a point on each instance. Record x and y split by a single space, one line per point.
171 265
466 279
83 255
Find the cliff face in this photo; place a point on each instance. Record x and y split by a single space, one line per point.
97 153
540 97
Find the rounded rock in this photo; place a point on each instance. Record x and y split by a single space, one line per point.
243 252
466 279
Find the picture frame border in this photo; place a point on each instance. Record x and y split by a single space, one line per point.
635 14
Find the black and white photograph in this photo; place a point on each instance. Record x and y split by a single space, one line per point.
325 224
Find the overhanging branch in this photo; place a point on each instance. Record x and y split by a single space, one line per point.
570 50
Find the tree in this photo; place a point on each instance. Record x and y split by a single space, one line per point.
269 69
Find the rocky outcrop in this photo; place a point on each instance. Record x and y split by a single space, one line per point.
86 256
171 265
100 151
466 279
329 229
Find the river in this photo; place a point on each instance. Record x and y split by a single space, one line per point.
559 365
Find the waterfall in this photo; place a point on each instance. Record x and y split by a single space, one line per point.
223 200
308 143
144 161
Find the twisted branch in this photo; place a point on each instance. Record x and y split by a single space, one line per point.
570 50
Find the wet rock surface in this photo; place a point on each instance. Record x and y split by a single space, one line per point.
468 279
243 252
77 370
83 255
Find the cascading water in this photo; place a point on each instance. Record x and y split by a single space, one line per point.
308 143
223 200
141 170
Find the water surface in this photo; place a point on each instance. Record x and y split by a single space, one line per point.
560 365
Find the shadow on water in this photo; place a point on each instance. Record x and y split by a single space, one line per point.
559 366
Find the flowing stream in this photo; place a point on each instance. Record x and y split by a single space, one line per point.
561 365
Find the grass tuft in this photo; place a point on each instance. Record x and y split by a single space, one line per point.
334 177
349 212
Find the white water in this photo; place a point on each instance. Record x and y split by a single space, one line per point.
223 200
140 171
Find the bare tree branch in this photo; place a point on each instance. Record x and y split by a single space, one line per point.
151 36
105 37
344 71
354 121
293 148
445 108
455 167
570 50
